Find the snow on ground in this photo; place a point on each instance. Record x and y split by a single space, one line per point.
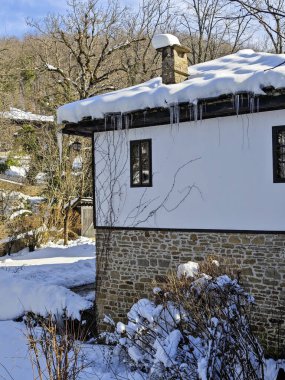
244 71
18 196
103 364
14 202
29 281
41 177
15 361
20 212
55 264
38 281
16 171
19 296
14 355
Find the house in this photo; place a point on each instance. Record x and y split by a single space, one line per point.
184 169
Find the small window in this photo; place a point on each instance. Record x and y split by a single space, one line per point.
141 171
278 143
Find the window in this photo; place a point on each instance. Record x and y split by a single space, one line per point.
278 144
141 171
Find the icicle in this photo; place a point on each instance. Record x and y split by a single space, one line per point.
174 114
171 115
195 110
237 103
105 121
144 115
59 144
248 100
132 119
119 121
127 121
113 121
201 111
190 111
251 105
257 104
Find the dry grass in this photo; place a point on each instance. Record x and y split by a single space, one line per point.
25 189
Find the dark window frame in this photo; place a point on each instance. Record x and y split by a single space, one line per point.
275 147
141 184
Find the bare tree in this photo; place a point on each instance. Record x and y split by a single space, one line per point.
80 48
209 30
141 62
270 14
64 171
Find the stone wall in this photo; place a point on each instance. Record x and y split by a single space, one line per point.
139 258
174 65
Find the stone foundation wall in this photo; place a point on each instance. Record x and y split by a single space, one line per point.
138 259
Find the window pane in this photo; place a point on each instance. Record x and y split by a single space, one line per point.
140 162
145 162
135 163
281 171
281 155
281 138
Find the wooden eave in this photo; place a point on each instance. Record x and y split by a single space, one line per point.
206 109
80 201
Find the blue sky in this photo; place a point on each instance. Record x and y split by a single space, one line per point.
14 13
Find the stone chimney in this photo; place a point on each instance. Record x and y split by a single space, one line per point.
174 58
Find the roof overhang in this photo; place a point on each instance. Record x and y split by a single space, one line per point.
221 106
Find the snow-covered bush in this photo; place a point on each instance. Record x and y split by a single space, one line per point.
196 328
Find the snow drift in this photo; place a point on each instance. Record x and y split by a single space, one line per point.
18 296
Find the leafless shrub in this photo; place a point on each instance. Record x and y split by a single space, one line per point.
55 348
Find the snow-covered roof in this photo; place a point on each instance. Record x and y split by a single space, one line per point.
20 115
244 71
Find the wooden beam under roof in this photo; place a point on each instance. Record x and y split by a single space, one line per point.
222 106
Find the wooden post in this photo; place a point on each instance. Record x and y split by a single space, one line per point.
65 224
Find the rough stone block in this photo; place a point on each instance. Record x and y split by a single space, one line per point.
138 258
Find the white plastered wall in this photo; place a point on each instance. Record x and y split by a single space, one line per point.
210 174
